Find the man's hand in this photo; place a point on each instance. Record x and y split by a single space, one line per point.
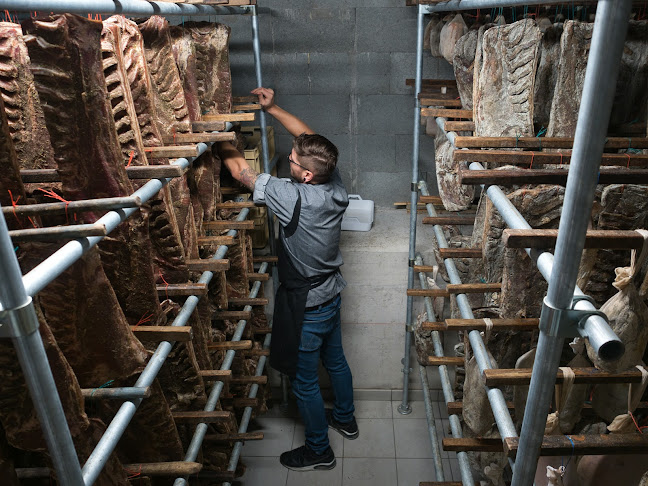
266 97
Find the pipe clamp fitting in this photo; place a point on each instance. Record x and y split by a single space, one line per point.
566 322
18 322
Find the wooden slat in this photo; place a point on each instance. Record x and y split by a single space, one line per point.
258 277
235 205
169 469
174 290
448 113
56 233
508 157
265 258
238 437
459 126
245 99
544 142
207 126
424 268
546 238
432 82
227 345
232 315
227 224
427 293
592 376
458 219
473 288
433 326
234 190
229 117
445 360
173 151
460 252
201 417
256 352
36 176
216 240
199 137
498 324
478 444
240 402
427 100
542 176
246 107
247 301
219 375
244 380
261 330
163 333
208 265
584 445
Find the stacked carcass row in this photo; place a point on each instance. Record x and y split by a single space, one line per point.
88 99
519 79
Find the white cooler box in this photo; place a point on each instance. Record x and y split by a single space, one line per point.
359 214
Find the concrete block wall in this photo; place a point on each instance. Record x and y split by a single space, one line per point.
341 65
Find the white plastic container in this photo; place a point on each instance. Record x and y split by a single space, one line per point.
359 214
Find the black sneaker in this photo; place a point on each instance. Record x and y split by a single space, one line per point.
348 430
304 459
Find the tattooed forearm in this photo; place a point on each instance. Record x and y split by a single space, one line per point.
248 177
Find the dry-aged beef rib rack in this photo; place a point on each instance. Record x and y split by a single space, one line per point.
89 112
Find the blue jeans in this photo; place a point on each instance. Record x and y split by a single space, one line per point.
322 337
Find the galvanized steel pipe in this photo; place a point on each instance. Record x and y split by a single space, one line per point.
608 38
452 5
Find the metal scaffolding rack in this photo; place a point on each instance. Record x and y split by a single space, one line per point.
18 319
560 270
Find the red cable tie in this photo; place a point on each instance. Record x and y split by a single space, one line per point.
132 154
13 205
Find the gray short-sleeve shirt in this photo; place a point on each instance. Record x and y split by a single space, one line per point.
314 248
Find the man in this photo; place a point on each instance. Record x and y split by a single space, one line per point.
306 322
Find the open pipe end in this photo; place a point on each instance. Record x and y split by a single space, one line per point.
611 350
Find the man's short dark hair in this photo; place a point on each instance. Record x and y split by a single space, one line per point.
318 154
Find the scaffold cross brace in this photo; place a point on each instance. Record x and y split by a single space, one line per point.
567 322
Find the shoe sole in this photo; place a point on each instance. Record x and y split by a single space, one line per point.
345 434
314 467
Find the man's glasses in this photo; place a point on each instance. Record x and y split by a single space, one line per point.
299 165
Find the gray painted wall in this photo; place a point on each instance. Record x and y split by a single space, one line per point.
341 65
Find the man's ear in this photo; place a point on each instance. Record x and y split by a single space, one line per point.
308 176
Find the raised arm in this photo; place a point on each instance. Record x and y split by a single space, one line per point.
294 125
237 165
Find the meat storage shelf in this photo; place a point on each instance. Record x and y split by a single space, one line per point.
19 322
601 75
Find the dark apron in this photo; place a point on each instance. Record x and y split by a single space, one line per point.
290 305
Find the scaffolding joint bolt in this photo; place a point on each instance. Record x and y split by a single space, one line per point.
566 323
18 322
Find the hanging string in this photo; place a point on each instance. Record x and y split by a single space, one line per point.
105 385
53 195
532 156
166 284
131 158
144 319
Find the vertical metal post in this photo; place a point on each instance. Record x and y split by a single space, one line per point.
405 408
33 361
608 38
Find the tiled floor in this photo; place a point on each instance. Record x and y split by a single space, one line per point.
392 450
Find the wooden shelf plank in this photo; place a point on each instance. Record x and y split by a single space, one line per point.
460 252
201 417
430 100
432 82
227 345
424 268
227 224
448 113
216 240
246 107
543 176
56 233
433 326
459 126
244 380
478 444
199 137
265 258
583 445
229 117
473 288
430 200
446 360
207 126
37 176
173 151
163 333
427 293
208 265
247 301
508 157
258 277
175 290
544 142
176 468
546 238
592 376
238 437
235 205
232 315
219 375
456 220
256 352
498 324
